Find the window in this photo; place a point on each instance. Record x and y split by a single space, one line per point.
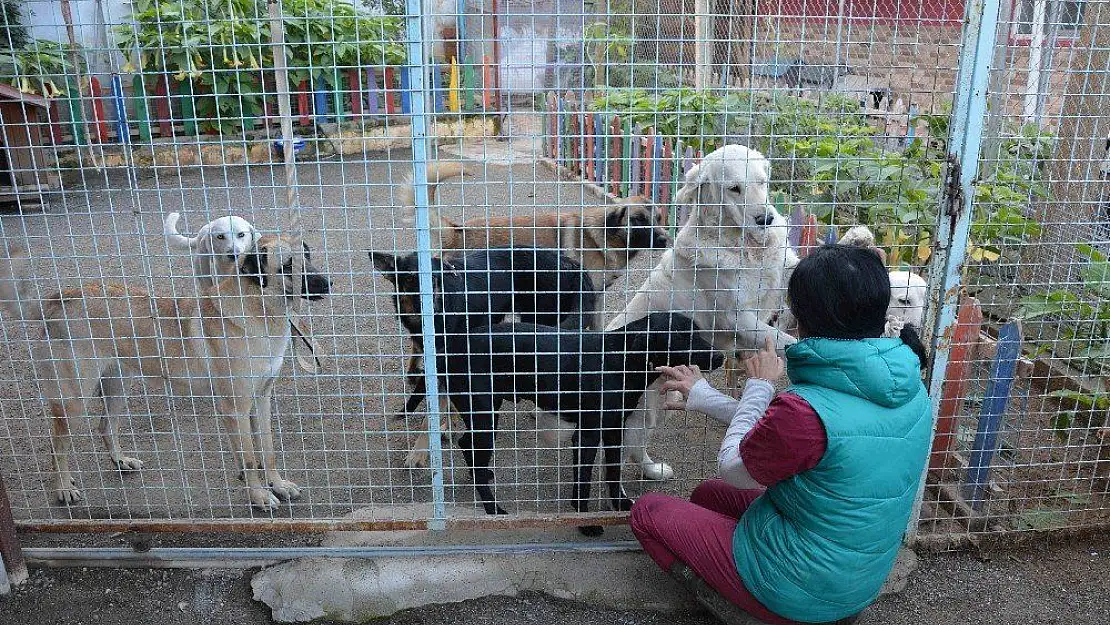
1069 16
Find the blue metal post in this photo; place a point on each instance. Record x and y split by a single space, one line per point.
999 385
954 218
416 68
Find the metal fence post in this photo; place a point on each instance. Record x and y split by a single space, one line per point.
965 141
13 570
417 67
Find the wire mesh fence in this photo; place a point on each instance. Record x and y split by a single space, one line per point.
566 125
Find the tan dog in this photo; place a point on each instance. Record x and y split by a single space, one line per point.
227 345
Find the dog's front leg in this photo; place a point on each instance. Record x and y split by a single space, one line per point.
637 434
477 446
263 424
752 333
113 389
612 440
586 440
65 486
235 413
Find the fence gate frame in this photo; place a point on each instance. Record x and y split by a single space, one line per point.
964 146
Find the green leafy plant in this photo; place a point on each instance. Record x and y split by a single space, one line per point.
827 159
219 48
13 30
1083 312
39 68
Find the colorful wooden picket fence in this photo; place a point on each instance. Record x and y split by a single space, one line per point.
624 160
627 161
151 106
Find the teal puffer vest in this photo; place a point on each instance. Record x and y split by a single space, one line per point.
817 547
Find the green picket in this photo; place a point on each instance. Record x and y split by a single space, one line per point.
142 109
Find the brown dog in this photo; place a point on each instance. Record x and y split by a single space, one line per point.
603 239
226 346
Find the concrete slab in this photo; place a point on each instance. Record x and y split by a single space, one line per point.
357 590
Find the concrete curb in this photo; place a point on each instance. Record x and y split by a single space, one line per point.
198 151
355 590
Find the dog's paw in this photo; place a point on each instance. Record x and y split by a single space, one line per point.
127 463
263 498
66 491
624 504
417 459
285 490
591 531
657 471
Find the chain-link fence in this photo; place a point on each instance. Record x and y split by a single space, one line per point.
361 128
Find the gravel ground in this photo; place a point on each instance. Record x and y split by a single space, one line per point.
1043 584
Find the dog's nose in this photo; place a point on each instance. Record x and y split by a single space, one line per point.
764 220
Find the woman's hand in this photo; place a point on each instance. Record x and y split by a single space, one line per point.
765 364
682 379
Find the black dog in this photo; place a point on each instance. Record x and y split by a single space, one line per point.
593 379
481 288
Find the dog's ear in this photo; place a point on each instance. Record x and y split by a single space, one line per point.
615 218
255 265
695 178
385 263
307 251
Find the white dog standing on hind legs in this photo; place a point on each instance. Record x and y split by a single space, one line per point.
726 269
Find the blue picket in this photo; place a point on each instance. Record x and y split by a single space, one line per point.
656 167
320 99
437 89
123 132
796 220
373 106
406 93
999 385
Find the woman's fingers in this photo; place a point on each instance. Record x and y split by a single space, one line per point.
672 385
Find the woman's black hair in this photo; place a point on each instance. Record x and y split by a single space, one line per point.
842 292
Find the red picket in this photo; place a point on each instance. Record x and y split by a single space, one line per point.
390 92
162 106
969 321
588 131
354 80
100 121
487 84
665 177
302 103
808 239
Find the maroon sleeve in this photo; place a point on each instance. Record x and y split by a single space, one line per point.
787 440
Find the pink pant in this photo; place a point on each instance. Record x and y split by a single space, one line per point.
699 533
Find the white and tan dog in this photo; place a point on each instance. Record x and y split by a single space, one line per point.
216 249
726 270
227 347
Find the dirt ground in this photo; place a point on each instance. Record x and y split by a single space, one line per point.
1040 584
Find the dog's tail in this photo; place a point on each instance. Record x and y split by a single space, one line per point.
17 290
173 237
437 173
